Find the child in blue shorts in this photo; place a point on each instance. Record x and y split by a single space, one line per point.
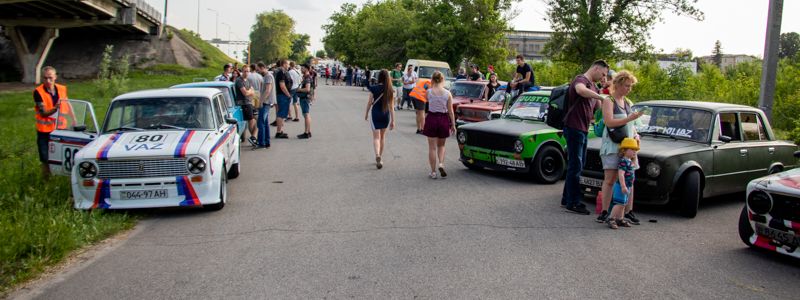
624 185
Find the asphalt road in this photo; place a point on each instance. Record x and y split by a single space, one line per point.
311 219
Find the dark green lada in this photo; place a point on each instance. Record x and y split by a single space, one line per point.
518 142
694 150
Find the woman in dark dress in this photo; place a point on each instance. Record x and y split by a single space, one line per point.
491 87
381 106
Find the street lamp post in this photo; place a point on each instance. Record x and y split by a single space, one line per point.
216 34
229 36
198 18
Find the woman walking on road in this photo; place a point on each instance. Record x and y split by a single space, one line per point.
439 123
381 106
617 115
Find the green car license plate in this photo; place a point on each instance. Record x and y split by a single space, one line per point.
786 238
143 194
510 162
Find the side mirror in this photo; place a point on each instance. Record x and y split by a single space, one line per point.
725 138
231 121
79 128
797 154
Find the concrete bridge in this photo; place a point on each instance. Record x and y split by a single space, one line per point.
33 25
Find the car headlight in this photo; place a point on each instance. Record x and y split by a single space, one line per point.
519 146
196 165
653 169
759 202
462 137
87 170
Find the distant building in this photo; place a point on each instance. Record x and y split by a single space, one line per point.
665 63
529 43
729 60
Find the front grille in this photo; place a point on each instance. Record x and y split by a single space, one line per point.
785 207
491 141
593 162
475 114
121 169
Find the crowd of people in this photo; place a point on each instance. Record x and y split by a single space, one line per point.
284 86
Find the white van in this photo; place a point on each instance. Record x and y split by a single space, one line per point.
425 68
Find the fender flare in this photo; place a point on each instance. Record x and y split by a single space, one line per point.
550 142
686 166
774 165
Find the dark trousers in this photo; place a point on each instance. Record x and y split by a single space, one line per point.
406 98
262 122
576 157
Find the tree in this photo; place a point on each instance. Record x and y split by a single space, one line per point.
271 36
300 44
586 30
321 54
789 45
683 54
717 54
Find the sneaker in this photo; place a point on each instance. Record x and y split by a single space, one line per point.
442 172
262 147
603 217
303 136
612 224
419 131
432 175
378 163
274 123
281 135
578 209
296 120
631 217
623 223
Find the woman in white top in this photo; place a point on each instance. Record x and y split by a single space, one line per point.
439 123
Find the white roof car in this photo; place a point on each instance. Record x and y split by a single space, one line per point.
156 148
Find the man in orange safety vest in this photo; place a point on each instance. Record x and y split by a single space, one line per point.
49 98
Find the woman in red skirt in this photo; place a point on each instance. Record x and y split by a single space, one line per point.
439 123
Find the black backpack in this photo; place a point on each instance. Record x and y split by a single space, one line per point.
557 107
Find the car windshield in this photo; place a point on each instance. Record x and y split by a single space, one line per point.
531 107
160 113
461 89
677 122
499 96
427 72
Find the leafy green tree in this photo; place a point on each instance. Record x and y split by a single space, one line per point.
789 45
586 30
683 54
321 54
717 54
300 43
271 36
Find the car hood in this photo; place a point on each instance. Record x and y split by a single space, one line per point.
464 100
129 144
787 183
657 146
482 105
510 127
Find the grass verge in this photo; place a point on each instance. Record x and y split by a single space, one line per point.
38 227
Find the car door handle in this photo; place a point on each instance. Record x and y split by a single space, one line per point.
771 150
743 152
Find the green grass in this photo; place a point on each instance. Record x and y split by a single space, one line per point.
38 226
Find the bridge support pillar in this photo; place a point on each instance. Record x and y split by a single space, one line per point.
32 45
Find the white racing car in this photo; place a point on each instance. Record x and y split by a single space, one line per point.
157 148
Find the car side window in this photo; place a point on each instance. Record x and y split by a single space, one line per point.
752 127
218 110
729 126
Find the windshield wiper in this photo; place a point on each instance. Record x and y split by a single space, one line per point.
125 128
656 133
167 126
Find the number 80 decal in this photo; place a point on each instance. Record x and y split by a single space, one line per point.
69 158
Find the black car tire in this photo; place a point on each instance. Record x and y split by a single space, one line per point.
548 165
690 197
745 229
233 173
223 193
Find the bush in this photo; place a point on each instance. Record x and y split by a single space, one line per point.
112 79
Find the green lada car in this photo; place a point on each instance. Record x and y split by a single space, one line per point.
519 141
694 150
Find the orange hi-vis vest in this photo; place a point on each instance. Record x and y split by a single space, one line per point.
420 91
49 123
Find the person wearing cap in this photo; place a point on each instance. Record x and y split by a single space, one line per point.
623 186
226 73
617 113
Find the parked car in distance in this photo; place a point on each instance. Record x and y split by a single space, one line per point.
229 92
770 218
694 150
157 148
465 91
518 142
483 110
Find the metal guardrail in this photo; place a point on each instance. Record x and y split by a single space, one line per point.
143 8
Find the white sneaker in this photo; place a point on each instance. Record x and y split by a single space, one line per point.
432 175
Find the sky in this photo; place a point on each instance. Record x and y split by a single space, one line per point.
739 25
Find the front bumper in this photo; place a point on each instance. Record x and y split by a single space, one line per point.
645 191
486 158
194 190
773 226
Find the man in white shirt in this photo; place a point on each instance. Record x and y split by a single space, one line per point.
296 81
226 73
409 80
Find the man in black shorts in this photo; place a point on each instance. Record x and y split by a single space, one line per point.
243 99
